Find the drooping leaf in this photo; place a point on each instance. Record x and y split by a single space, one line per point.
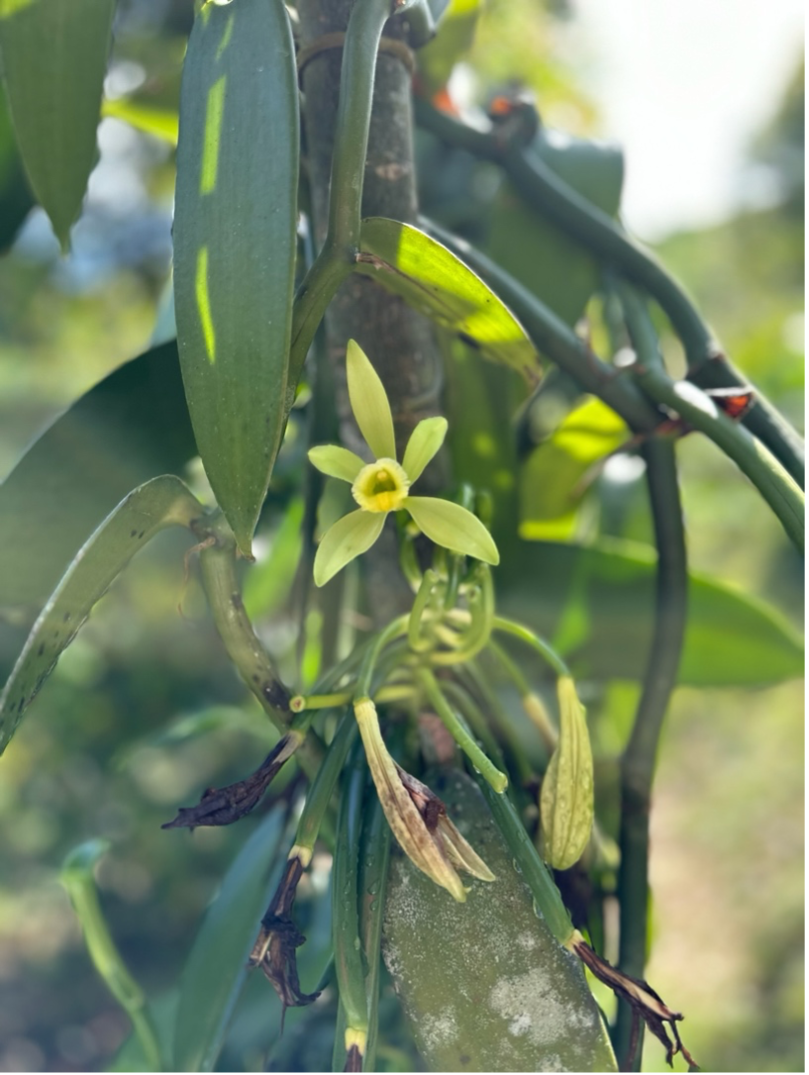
215 972
54 56
129 428
234 244
557 270
596 605
553 478
407 262
162 502
16 200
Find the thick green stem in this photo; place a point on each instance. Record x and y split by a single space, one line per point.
556 339
638 761
752 457
568 210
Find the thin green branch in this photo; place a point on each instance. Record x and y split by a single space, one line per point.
553 198
336 259
638 761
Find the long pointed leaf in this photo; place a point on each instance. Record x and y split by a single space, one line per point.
162 502
432 279
234 244
215 972
128 428
54 56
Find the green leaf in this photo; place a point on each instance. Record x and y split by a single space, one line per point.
596 605
526 1005
553 478
556 269
430 278
162 123
15 197
54 56
129 428
217 966
159 503
234 244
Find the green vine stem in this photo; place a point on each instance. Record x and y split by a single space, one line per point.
638 760
481 763
583 222
547 900
336 259
77 878
524 634
776 486
571 354
322 788
554 338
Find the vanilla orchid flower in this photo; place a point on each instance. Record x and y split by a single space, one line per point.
384 485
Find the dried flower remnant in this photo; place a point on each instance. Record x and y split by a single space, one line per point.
645 1003
223 806
416 815
274 950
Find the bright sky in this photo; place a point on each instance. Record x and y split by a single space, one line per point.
683 87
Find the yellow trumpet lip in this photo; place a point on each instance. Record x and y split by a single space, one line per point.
381 486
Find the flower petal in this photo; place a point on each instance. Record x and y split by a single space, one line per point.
336 462
347 539
452 527
425 440
369 402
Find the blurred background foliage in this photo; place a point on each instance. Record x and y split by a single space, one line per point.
144 710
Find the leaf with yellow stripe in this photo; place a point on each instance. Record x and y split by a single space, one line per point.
234 244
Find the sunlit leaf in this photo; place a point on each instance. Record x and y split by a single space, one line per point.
216 968
54 56
555 475
456 32
434 281
597 605
159 503
162 123
130 427
234 244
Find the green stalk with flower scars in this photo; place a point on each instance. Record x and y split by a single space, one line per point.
384 485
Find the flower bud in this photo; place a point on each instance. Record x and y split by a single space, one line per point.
566 800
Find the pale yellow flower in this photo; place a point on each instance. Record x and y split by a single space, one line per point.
384 485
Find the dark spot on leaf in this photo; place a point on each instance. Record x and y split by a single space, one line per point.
132 533
41 649
66 617
140 535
